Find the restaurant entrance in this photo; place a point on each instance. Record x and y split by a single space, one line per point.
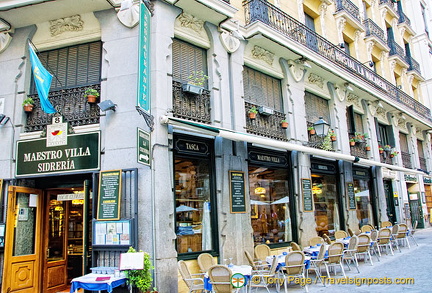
46 239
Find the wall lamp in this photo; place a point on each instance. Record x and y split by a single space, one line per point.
303 61
370 63
348 87
321 127
4 119
107 105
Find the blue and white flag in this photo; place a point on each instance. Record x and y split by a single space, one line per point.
42 79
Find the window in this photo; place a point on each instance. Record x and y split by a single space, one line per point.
363 198
354 121
383 136
316 107
270 205
187 60
261 89
194 195
74 66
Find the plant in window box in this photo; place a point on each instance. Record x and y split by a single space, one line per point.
394 154
284 124
195 83
141 279
360 137
28 105
91 95
252 112
352 142
311 130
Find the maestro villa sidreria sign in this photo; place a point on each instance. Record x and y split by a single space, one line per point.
72 153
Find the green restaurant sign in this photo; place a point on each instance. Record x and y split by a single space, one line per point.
80 153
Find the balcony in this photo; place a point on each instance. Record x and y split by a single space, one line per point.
390 6
398 53
271 16
385 158
71 103
314 141
406 160
374 32
191 106
350 11
422 163
359 149
413 65
263 125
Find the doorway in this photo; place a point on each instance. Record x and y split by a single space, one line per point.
391 201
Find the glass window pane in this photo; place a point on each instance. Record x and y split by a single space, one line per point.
326 204
363 204
56 229
270 212
25 225
193 205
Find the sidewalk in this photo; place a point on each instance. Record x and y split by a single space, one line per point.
410 263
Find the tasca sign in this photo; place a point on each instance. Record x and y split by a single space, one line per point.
37 157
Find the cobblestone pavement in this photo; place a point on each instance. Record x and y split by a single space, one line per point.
414 263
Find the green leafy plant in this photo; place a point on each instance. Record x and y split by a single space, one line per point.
91 92
387 147
141 279
310 128
394 153
28 101
197 78
253 110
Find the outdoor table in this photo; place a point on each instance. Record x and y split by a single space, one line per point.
314 250
281 260
345 241
97 282
245 270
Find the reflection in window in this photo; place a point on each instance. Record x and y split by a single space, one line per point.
363 204
326 204
192 189
270 212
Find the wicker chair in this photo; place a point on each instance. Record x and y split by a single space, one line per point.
205 261
327 239
294 266
295 246
341 234
349 254
366 228
315 264
256 265
263 276
335 254
316 240
394 238
386 224
363 247
384 236
220 278
374 249
193 283
402 234
262 251
350 232
412 231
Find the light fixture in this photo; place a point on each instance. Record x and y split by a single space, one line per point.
4 119
321 127
342 45
303 61
370 63
348 87
107 105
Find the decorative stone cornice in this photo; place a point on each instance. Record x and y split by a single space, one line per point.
316 80
354 100
262 54
192 22
66 24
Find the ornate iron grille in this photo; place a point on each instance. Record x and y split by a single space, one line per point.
268 126
422 163
372 29
261 10
395 49
70 103
190 106
389 3
404 19
359 150
349 7
385 158
406 159
413 64
317 142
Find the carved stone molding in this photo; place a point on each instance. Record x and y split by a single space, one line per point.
316 80
5 39
129 14
369 47
262 54
230 43
66 24
401 121
354 100
192 22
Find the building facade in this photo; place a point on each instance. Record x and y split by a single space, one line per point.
191 155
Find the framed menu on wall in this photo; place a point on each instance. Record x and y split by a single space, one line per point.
109 195
118 233
307 195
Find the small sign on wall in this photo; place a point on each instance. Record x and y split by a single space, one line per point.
307 195
237 192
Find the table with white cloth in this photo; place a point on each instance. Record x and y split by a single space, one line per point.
314 250
245 270
89 282
345 241
281 260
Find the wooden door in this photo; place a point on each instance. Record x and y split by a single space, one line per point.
55 237
23 241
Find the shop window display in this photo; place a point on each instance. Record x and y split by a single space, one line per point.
363 203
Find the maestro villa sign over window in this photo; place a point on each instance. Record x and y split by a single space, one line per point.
38 157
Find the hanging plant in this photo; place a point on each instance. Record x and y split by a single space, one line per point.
252 112
394 154
368 147
352 142
381 150
332 135
311 130
28 105
91 95
284 124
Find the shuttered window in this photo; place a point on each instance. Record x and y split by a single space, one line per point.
73 66
316 107
261 89
187 60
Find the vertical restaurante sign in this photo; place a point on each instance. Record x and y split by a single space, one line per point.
37 157
237 192
109 195
144 59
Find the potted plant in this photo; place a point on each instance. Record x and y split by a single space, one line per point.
394 154
252 112
284 124
368 147
28 105
141 279
91 95
352 142
380 149
311 130
195 83
332 135
387 147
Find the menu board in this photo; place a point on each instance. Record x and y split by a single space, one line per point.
307 195
109 195
237 192
112 232
351 196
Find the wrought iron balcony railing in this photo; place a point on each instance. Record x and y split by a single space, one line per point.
349 7
422 163
268 126
71 103
191 106
372 29
264 12
413 64
359 149
404 19
406 159
395 49
389 3
385 158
